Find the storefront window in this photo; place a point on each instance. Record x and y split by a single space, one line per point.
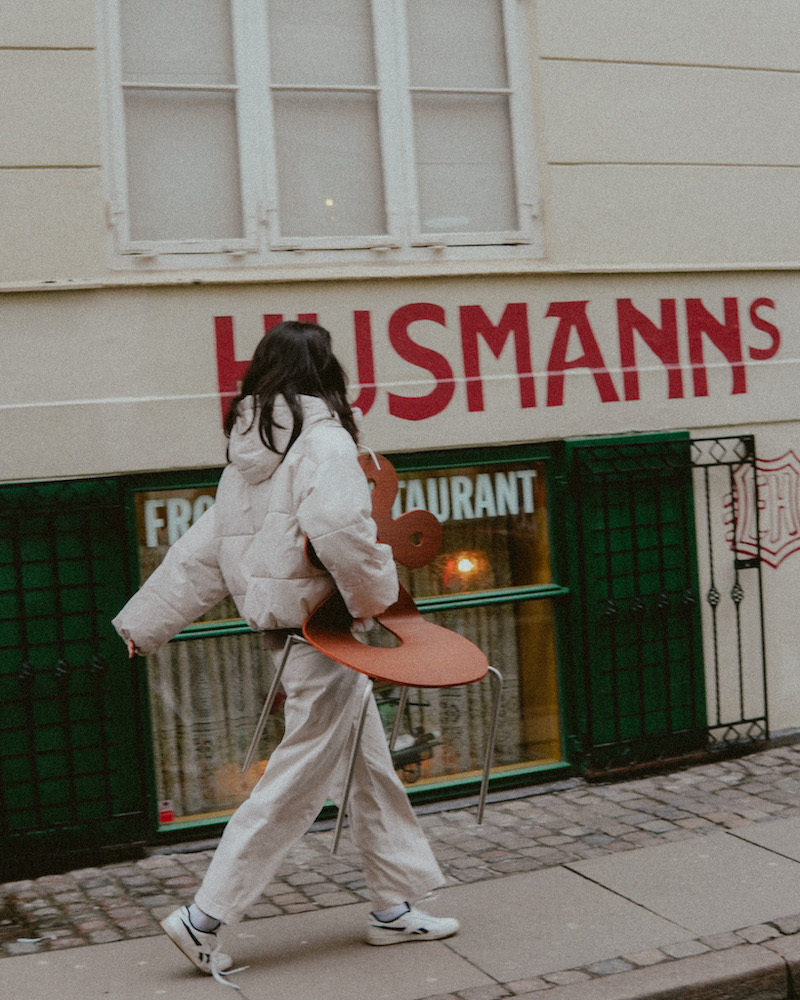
491 582
496 543
205 698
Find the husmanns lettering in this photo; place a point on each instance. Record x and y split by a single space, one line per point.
686 338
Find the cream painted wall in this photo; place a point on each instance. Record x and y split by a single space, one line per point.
49 114
668 131
49 24
666 137
53 226
709 33
127 380
672 215
52 210
616 113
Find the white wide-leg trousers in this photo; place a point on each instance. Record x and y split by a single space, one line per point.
322 703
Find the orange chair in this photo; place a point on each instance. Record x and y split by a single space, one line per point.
424 655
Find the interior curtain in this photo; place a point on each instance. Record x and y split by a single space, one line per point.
206 697
461 716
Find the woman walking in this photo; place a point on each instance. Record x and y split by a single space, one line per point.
293 474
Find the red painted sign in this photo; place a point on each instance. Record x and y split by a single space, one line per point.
735 331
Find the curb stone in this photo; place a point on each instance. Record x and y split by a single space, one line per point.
789 950
746 973
752 974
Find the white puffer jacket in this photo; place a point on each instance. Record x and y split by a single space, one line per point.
251 543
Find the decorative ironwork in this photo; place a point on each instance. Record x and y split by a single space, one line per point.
98 665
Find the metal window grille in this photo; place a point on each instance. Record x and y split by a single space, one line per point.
672 636
70 737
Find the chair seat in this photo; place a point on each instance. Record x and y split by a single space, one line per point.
428 655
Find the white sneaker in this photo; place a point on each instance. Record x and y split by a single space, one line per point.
414 925
200 947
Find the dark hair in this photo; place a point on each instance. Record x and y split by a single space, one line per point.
293 359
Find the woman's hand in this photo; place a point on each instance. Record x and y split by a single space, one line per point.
370 632
361 625
361 628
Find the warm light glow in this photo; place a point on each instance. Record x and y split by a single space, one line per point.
464 569
329 202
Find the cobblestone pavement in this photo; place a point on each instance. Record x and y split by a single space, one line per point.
537 828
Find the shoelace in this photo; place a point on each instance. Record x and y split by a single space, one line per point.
219 975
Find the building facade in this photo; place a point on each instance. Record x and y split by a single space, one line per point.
555 243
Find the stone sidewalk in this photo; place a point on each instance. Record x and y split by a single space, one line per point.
541 828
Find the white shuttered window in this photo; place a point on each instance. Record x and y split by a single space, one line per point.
341 128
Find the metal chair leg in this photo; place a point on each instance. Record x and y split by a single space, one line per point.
496 679
337 833
398 719
291 641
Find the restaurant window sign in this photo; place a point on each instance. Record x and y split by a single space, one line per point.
492 582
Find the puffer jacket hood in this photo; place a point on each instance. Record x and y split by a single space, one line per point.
252 543
248 453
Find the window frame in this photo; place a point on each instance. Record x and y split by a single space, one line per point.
557 592
262 243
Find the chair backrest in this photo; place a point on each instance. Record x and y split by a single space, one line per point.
427 655
415 537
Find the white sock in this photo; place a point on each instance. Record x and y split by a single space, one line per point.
202 921
392 913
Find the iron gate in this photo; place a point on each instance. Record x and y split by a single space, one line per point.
71 767
671 637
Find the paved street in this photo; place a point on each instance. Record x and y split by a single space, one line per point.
544 837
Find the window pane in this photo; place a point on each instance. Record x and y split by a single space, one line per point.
445 729
494 519
176 41
183 172
329 166
465 173
205 699
206 696
456 43
327 42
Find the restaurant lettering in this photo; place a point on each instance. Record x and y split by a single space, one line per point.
165 518
464 498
